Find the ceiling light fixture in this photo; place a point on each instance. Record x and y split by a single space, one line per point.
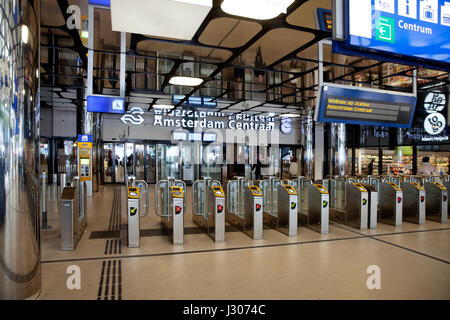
163 106
176 19
185 81
25 33
256 9
289 115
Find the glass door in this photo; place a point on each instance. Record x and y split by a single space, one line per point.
211 162
108 163
168 157
150 164
119 153
129 161
139 160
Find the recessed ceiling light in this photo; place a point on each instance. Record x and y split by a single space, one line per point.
25 34
163 106
256 9
289 115
185 81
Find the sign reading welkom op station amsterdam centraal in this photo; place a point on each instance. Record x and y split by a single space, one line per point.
415 32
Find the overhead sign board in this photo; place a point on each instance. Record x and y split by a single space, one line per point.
105 3
199 102
364 106
105 104
414 31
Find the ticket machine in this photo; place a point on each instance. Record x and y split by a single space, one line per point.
133 198
287 209
84 157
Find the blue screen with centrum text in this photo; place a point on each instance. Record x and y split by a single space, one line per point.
414 28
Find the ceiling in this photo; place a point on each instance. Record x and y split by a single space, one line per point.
224 46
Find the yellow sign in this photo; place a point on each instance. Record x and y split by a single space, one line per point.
440 186
218 192
418 186
255 191
321 188
290 189
177 192
360 187
133 193
395 186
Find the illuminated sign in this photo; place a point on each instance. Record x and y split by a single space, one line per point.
134 116
190 119
105 104
364 106
202 102
415 30
324 19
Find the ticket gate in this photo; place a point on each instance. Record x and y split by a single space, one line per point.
356 209
170 205
280 206
208 207
446 183
245 207
73 209
137 208
436 202
313 204
373 205
391 203
414 202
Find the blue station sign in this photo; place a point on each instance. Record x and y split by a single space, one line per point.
404 30
105 104
85 138
364 106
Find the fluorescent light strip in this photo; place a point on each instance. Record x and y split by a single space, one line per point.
256 9
163 106
289 115
185 81
25 33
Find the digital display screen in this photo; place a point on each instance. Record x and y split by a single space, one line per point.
416 29
209 137
179 135
195 136
365 107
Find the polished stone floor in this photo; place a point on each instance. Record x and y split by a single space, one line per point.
414 261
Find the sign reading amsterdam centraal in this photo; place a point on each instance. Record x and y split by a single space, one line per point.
191 119
364 106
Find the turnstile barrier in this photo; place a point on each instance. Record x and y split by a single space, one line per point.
414 202
208 207
436 202
73 214
391 204
170 206
313 204
245 207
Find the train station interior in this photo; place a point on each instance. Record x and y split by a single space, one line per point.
224 149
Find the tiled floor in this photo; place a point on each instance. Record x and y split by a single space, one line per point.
414 262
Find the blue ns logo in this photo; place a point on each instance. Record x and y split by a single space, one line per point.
134 116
